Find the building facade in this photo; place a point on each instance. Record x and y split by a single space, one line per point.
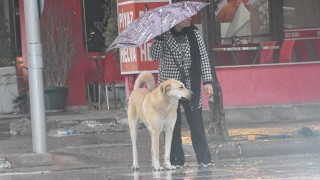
286 74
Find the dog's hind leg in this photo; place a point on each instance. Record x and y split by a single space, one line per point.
168 140
133 125
155 150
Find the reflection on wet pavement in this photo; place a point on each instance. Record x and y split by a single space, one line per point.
108 156
305 166
279 167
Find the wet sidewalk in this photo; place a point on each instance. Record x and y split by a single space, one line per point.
101 142
115 120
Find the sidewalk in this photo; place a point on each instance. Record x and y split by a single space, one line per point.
20 124
102 136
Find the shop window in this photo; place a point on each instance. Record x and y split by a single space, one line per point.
99 24
242 21
241 28
301 14
10 39
302 30
93 12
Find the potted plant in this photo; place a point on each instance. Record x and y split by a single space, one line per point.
59 49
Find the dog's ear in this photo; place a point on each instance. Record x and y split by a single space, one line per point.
165 88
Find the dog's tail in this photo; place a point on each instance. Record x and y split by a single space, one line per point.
145 78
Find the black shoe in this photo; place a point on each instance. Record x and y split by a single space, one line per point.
206 161
176 162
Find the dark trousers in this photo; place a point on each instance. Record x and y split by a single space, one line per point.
198 137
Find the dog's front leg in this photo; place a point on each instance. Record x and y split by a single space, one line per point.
155 150
168 141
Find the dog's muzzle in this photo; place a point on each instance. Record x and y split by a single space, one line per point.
188 97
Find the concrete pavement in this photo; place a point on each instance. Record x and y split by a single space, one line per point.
101 140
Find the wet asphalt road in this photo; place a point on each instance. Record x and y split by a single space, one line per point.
306 166
108 156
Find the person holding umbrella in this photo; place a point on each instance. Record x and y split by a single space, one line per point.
183 57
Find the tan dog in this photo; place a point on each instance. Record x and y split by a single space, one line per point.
157 109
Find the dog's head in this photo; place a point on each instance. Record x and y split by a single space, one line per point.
175 89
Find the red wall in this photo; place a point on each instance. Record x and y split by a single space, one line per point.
76 79
271 84
77 94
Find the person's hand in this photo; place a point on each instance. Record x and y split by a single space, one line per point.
208 89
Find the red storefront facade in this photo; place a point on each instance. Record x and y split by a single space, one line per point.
246 84
84 68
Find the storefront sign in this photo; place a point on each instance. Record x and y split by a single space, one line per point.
296 34
134 60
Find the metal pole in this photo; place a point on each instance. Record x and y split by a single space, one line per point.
34 49
85 25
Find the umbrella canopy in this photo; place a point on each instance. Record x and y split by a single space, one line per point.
155 22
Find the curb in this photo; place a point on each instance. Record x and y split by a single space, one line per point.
35 159
261 148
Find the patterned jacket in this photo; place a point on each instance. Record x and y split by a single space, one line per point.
160 50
